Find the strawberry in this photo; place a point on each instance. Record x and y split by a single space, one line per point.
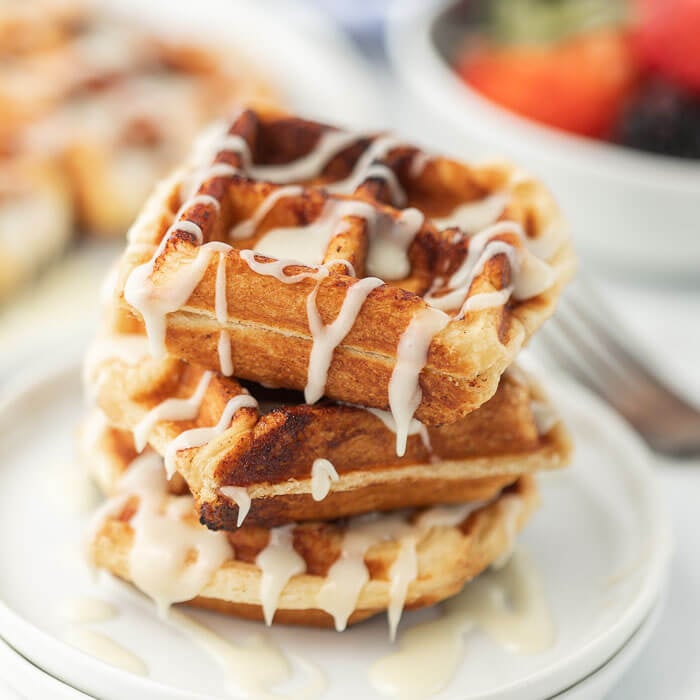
666 37
579 85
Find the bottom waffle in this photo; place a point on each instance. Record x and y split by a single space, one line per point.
315 573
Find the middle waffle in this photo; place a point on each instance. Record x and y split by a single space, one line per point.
264 457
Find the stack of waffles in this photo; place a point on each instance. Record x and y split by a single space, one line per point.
306 404
93 111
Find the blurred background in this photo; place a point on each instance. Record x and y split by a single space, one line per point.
599 98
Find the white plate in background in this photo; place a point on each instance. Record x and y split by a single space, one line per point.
600 541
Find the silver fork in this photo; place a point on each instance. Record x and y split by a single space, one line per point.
584 340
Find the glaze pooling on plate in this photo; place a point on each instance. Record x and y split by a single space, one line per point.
506 604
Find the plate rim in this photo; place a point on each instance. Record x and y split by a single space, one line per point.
24 635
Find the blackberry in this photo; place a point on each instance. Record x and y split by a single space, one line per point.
663 120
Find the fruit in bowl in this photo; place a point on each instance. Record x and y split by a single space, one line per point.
622 71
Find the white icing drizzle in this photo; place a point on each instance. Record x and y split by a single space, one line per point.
105 649
348 574
415 427
388 251
322 474
545 416
308 244
86 609
308 166
196 437
411 356
326 338
511 507
365 168
530 275
278 562
171 559
221 311
241 498
171 410
254 667
419 162
389 238
508 605
472 217
246 228
155 302
224 350
403 571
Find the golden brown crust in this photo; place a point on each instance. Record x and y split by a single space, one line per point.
271 343
448 557
271 455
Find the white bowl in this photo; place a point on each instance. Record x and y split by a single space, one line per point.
629 209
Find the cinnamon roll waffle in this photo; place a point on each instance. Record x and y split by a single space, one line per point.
317 573
266 458
234 268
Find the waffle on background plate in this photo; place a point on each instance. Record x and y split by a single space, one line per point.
304 384
112 105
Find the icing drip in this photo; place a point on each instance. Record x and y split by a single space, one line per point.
366 169
308 244
171 410
530 275
402 572
254 667
326 338
171 560
241 498
221 311
308 166
415 427
511 507
246 228
388 251
348 574
545 416
153 301
105 649
508 605
390 238
86 610
472 217
196 437
419 162
322 474
224 350
411 356
278 562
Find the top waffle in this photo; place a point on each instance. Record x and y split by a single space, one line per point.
399 280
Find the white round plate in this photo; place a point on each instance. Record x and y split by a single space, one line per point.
598 684
29 681
600 542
